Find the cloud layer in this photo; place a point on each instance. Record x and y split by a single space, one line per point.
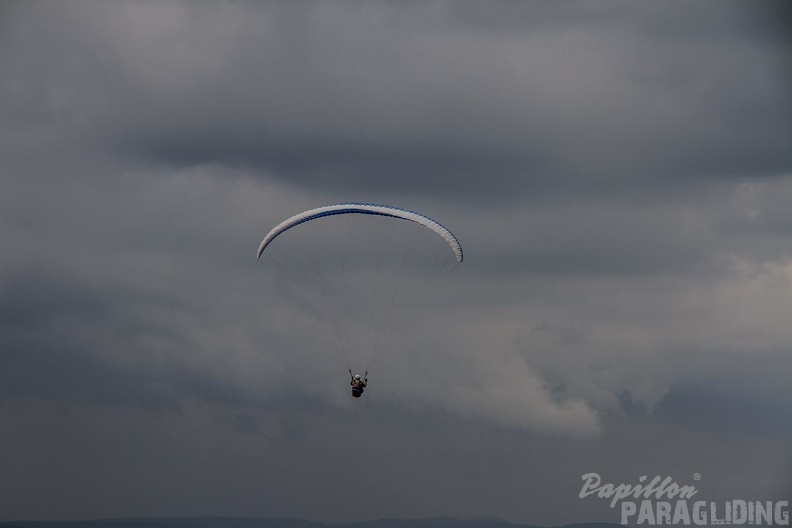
618 175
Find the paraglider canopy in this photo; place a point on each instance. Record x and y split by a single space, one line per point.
362 208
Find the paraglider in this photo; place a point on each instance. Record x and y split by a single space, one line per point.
358 269
358 385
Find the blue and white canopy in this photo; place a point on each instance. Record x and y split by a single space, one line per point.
362 208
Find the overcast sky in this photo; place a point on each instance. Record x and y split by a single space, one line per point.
618 173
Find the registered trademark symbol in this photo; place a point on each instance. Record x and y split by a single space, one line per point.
697 476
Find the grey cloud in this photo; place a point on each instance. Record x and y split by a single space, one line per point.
66 339
716 407
438 111
618 175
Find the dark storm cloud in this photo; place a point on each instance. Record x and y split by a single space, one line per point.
617 173
65 338
715 407
430 97
38 362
